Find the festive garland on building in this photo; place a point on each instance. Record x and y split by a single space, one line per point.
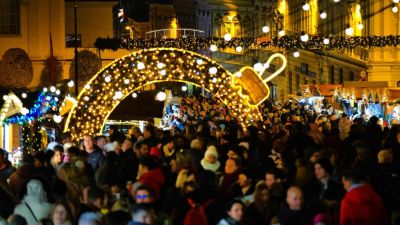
46 101
287 42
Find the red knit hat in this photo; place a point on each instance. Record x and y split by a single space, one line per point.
154 151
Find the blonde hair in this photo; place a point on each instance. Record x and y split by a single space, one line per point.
183 177
385 156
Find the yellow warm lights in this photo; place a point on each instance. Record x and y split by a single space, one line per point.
99 98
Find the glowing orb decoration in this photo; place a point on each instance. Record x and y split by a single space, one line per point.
161 96
57 118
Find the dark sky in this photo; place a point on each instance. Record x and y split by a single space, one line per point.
138 10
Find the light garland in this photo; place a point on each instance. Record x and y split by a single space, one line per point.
96 102
287 42
12 105
46 101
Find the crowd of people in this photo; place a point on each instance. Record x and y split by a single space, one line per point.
296 167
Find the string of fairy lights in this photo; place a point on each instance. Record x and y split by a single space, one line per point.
47 100
302 41
126 75
30 120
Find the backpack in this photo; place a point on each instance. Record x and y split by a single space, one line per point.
196 214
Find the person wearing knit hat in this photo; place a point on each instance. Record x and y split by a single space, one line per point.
210 160
321 218
111 147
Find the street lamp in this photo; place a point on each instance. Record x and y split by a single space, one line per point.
76 46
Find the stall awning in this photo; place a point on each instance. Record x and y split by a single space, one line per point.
390 95
313 90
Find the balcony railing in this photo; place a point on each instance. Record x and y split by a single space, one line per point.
175 33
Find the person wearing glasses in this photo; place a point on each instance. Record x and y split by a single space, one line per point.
143 195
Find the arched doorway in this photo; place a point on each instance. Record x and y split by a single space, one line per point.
242 92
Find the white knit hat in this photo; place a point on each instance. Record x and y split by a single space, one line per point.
245 144
211 150
110 147
67 146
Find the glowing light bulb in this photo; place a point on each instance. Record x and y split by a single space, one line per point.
140 66
306 6
57 118
160 65
326 41
258 67
323 15
71 83
87 86
184 88
227 37
395 9
265 29
86 98
44 89
53 89
118 94
161 96
58 92
281 33
163 72
214 80
296 54
238 74
24 111
24 95
134 95
360 26
213 48
304 37
126 81
107 79
239 49
349 31
199 62
396 1
212 70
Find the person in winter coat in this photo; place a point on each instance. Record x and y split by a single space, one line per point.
24 173
360 205
292 211
150 174
34 205
210 160
234 212
261 210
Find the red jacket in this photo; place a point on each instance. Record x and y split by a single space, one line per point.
362 206
154 179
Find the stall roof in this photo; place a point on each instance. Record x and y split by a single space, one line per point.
326 90
377 94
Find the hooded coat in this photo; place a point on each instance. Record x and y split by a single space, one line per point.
155 180
36 199
362 205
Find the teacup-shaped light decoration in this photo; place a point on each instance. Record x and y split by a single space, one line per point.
250 84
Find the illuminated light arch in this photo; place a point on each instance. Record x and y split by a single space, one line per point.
125 75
